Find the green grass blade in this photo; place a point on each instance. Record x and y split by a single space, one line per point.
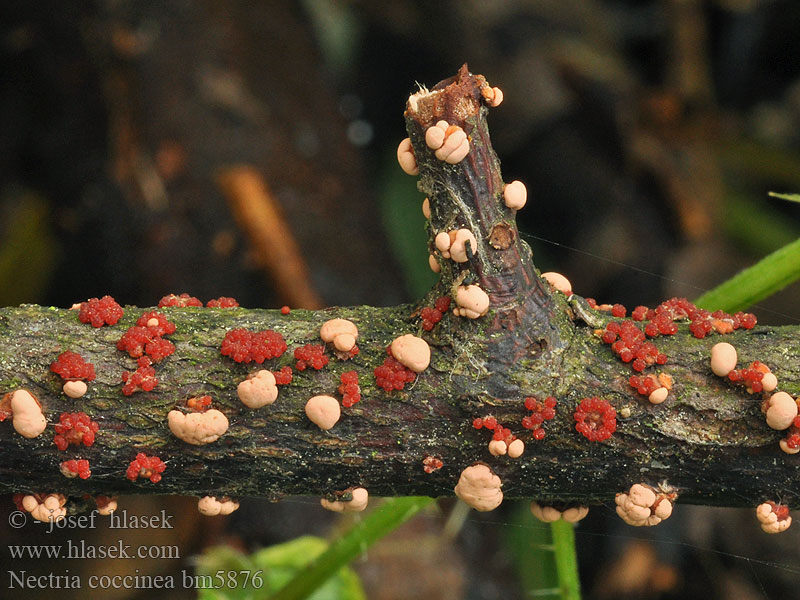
768 276
789 197
389 515
563 534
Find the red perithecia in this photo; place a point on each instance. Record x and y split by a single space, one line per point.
431 464
752 377
156 322
222 302
655 387
252 346
701 322
146 467
198 403
181 301
310 355
773 517
644 505
75 429
392 375
349 500
285 310
26 413
76 468
406 158
791 443
450 142
540 412
138 341
104 311
70 366
479 487
631 347
283 377
211 506
349 389
143 378
595 419
503 441
432 315
339 332
550 514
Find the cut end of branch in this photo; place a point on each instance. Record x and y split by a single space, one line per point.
454 99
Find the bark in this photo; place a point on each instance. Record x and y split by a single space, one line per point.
709 440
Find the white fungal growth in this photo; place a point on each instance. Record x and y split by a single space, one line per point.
197 428
493 96
773 517
497 448
723 359
323 411
515 195
516 448
406 158
472 302
769 382
449 141
359 501
643 505
341 332
559 282
442 241
658 396
479 487
26 414
211 506
549 514
259 389
781 411
412 352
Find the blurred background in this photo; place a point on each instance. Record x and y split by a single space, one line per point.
137 139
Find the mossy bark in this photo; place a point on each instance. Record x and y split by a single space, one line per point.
709 440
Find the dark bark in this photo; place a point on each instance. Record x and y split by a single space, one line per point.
708 440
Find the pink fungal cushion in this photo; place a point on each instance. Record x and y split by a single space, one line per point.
104 311
70 366
595 419
247 346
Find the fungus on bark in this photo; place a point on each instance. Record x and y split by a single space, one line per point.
259 389
26 414
211 506
350 500
197 428
479 487
323 411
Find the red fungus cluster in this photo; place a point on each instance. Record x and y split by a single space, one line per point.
104 311
750 377
629 343
222 302
156 322
199 403
595 419
283 377
647 384
310 355
702 322
70 366
431 316
148 467
349 389
392 375
252 346
143 378
792 439
285 310
75 429
76 468
501 434
181 301
431 464
540 412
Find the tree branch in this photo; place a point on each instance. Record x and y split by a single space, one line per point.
709 439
